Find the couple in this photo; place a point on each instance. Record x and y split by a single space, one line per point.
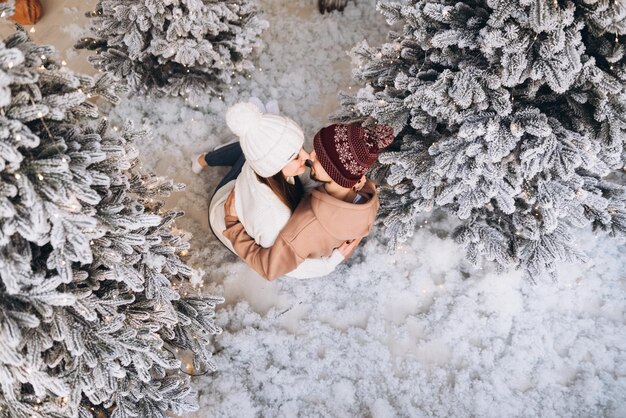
279 221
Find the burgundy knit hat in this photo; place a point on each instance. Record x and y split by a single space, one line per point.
347 151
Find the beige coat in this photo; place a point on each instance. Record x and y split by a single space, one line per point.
319 224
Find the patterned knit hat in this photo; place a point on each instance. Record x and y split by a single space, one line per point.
347 151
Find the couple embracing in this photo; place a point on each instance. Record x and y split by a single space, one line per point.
279 220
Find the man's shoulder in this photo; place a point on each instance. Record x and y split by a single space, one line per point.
302 219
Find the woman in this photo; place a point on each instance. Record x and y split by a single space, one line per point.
266 163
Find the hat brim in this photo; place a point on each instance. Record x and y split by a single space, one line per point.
328 165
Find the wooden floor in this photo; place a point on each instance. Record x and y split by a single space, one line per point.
62 23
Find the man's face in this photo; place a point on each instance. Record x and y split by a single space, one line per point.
317 171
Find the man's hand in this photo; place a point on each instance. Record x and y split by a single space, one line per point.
229 205
348 247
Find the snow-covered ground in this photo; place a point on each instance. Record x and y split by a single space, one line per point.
414 333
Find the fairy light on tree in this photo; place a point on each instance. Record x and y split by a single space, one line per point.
84 255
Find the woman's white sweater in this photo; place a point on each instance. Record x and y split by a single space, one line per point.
263 215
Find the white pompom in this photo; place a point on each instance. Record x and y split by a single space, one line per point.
243 117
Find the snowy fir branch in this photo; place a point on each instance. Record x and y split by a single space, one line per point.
91 266
508 114
176 47
7 8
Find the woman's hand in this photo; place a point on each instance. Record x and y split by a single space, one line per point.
229 205
348 247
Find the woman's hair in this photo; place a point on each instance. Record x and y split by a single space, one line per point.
289 194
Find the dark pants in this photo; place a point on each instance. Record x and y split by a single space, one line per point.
229 155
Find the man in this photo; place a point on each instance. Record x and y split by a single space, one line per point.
337 214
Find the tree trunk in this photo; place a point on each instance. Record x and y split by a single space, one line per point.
330 5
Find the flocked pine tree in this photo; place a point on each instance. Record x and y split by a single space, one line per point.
508 113
175 47
90 318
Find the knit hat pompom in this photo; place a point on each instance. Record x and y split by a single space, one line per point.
243 117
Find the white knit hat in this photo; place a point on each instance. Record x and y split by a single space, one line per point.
268 141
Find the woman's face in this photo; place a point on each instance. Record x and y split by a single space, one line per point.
296 166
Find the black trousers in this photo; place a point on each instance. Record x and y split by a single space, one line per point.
229 155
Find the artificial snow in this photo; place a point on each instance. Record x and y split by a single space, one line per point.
417 332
